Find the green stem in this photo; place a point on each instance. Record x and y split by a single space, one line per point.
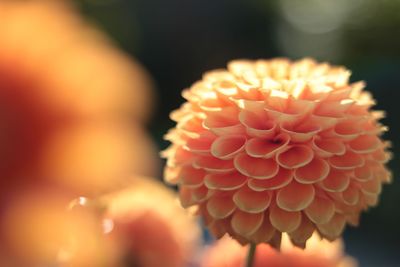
251 255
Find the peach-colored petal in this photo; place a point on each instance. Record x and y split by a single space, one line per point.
252 201
334 228
264 233
256 167
234 129
200 194
222 118
295 157
249 91
219 227
191 126
321 210
336 181
328 147
190 176
371 200
284 221
256 125
372 186
381 156
225 181
185 197
213 164
295 196
335 109
314 171
245 223
300 133
220 206
267 148
351 195
363 173
201 145
348 129
302 233
364 144
226 147
281 179
347 161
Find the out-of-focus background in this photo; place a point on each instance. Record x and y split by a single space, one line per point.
178 40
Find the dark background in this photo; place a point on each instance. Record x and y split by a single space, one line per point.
177 40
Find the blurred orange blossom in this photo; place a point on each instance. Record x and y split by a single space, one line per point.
70 109
37 228
60 80
274 146
149 226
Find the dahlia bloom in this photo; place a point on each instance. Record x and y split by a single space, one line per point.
59 80
318 253
273 146
148 226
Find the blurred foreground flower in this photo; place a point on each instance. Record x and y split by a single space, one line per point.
60 83
70 112
273 146
50 52
150 227
318 253
37 228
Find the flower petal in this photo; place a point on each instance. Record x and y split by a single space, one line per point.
351 195
295 196
246 224
363 173
213 164
336 181
295 157
314 171
226 147
365 144
200 145
373 186
305 230
281 179
284 221
300 133
334 228
220 206
264 233
328 147
267 148
256 167
191 177
252 201
225 181
348 161
321 210
257 125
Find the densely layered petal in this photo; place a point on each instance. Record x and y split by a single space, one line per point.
291 146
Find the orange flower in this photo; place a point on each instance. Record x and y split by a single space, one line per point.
74 65
38 229
58 78
318 253
149 226
272 146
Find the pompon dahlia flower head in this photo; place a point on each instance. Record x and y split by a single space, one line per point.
272 146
